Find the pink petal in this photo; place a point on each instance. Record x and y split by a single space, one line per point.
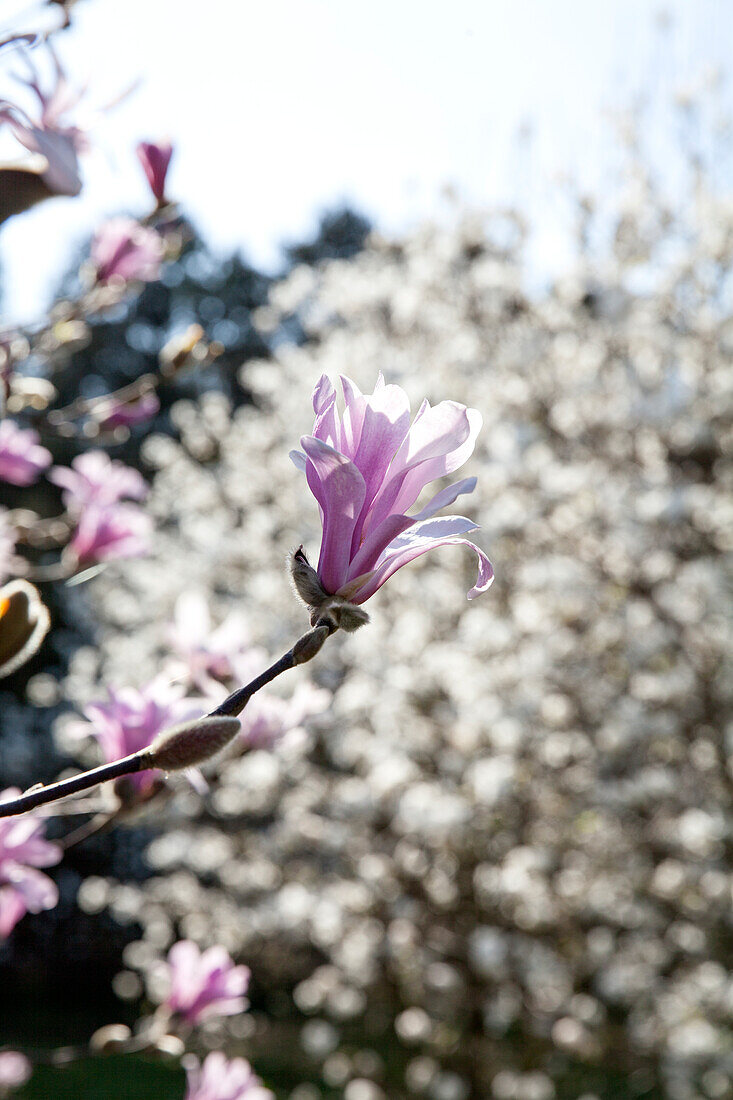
436 434
419 540
339 488
446 497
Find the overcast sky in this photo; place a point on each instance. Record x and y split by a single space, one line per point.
283 109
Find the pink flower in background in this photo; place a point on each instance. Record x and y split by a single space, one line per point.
368 467
267 718
155 158
22 460
23 848
117 413
122 250
218 1079
204 984
15 1070
107 532
129 720
211 655
50 134
94 478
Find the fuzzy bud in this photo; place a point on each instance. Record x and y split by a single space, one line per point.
339 613
191 743
306 647
306 582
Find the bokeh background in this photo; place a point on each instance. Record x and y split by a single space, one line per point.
499 864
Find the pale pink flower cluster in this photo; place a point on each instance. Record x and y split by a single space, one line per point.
129 719
219 1079
22 459
211 655
204 984
105 530
123 250
49 133
267 718
23 848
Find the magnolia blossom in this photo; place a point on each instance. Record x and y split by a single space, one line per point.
211 655
218 1079
23 848
128 720
22 460
155 158
368 467
94 478
106 532
116 413
204 984
123 249
267 718
50 134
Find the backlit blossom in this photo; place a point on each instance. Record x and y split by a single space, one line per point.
219 1079
211 655
122 250
204 984
155 158
107 532
50 133
22 460
94 478
367 467
116 413
129 719
23 848
267 718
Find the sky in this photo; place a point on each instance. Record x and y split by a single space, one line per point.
279 111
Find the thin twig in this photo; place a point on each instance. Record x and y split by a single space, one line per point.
304 650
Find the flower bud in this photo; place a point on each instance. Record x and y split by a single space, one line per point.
191 743
306 647
305 580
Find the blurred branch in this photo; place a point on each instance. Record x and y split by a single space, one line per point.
164 752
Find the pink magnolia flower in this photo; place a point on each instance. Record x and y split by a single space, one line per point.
123 249
107 532
50 134
155 158
15 1070
218 1079
267 718
128 720
368 467
94 478
116 413
23 848
22 460
212 655
204 984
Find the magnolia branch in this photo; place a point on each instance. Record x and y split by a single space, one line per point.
183 746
